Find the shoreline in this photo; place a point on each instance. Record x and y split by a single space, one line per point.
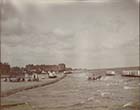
13 91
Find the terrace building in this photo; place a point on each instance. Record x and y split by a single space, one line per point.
61 67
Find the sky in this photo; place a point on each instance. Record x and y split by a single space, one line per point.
80 33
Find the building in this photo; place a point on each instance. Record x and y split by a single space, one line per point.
61 67
4 68
45 68
51 68
132 73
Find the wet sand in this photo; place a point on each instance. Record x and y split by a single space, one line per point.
9 88
75 92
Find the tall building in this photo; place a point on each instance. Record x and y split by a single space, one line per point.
61 67
4 68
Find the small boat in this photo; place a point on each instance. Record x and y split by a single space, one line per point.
52 75
67 72
110 73
94 77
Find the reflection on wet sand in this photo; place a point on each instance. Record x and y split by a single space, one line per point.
75 92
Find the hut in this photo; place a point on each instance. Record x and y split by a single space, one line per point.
131 73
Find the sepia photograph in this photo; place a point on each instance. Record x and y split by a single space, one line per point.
69 55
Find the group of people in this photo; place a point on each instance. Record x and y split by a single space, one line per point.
27 77
94 77
21 79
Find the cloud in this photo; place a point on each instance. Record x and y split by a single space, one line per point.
78 34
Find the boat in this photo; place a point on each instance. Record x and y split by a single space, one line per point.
94 77
67 72
110 73
52 75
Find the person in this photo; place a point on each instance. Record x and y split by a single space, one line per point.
34 77
23 79
5 79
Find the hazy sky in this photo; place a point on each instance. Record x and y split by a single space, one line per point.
79 33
